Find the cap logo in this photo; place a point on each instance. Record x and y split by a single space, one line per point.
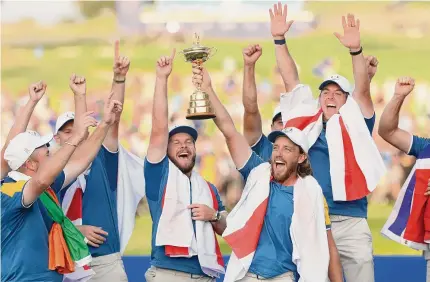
34 133
287 130
27 151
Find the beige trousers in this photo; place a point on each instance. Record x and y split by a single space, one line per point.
156 274
354 243
109 268
286 277
427 257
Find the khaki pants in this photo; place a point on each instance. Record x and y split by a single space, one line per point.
427 257
354 243
109 268
156 274
286 277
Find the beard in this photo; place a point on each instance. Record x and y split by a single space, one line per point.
282 176
187 168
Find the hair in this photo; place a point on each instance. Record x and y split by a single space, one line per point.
304 168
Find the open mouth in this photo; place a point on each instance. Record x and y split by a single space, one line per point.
333 106
183 156
279 164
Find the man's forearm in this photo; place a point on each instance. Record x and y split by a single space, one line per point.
223 119
390 116
159 107
361 76
252 127
22 120
80 105
249 95
287 67
89 149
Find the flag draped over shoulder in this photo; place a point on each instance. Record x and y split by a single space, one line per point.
409 222
67 245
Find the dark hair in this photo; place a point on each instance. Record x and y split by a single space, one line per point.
304 168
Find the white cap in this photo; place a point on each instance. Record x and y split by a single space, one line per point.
22 146
341 81
276 112
295 135
62 119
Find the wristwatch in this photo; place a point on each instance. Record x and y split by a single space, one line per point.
217 217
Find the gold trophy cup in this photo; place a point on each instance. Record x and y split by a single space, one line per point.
200 105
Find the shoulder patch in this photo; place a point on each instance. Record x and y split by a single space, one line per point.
11 188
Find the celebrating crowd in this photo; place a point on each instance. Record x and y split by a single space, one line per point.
69 199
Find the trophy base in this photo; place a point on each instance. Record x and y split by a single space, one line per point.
200 113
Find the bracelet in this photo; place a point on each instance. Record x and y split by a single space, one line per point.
68 143
280 41
119 81
356 52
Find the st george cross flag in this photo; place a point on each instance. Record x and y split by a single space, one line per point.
409 222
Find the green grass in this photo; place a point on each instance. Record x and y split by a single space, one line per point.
140 242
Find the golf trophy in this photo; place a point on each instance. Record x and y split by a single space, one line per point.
200 106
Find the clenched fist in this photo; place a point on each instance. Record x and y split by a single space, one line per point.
78 84
404 86
36 91
251 54
372 66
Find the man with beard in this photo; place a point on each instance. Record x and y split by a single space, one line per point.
343 156
266 228
262 146
185 209
412 145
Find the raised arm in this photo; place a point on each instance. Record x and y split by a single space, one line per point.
236 142
88 150
351 40
389 124
50 169
157 148
36 92
120 69
252 128
278 27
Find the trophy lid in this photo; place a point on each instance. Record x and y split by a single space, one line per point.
196 45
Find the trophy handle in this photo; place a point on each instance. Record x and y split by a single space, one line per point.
212 52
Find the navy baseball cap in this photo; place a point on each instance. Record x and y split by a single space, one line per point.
184 129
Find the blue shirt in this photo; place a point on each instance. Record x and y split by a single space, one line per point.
99 202
155 184
320 162
418 145
273 255
24 235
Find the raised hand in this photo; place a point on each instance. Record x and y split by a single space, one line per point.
78 84
121 64
251 54
278 21
81 125
164 65
36 91
351 33
201 77
112 109
404 86
372 66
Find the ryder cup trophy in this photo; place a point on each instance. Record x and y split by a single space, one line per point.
199 106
